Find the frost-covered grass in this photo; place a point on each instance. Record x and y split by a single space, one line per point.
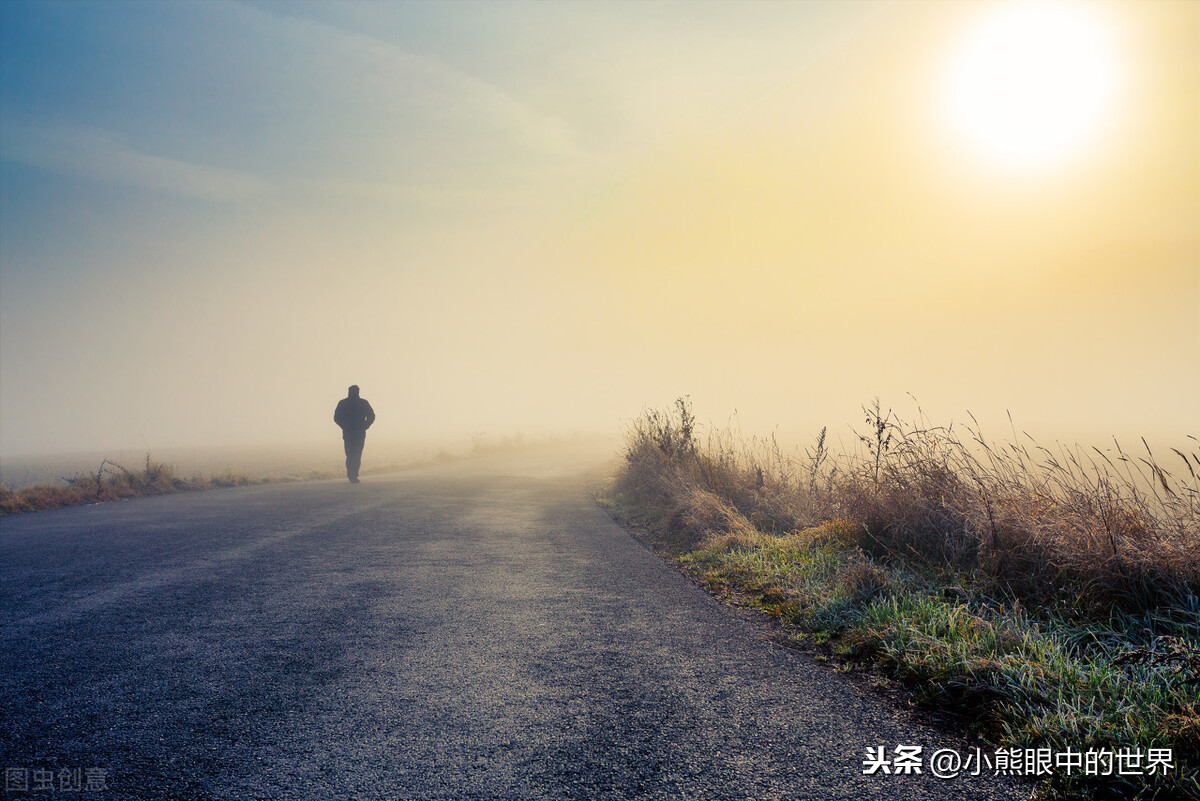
1051 602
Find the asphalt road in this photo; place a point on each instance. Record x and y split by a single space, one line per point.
478 630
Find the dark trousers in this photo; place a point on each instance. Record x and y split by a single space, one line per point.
354 441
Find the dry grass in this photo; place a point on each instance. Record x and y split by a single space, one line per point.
113 481
1050 598
1088 531
110 482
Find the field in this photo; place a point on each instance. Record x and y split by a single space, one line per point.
72 480
1047 598
76 479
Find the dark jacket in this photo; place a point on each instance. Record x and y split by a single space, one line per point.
354 414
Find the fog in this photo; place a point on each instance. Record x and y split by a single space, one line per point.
540 219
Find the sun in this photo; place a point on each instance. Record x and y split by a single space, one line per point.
1032 83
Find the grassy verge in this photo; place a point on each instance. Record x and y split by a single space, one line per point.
1050 600
111 482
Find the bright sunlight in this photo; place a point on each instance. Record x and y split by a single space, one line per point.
1032 83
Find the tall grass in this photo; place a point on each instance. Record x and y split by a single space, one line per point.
110 482
1090 532
1051 596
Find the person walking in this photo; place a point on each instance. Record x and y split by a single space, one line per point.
355 416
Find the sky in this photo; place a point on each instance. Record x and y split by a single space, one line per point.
546 217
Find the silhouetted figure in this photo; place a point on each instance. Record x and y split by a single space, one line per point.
355 416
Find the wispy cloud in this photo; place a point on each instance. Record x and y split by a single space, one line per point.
100 156
396 77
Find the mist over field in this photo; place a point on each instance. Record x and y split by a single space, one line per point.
537 219
247 464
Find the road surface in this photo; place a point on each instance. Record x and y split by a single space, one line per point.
476 630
